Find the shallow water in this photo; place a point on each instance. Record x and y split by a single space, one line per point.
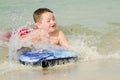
92 27
88 70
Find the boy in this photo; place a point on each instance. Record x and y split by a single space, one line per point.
46 29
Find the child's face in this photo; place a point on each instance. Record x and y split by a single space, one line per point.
47 22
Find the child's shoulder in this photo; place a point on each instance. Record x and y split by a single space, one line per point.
58 31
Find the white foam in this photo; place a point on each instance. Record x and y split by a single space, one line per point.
90 52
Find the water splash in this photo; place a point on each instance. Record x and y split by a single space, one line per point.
80 45
87 46
15 44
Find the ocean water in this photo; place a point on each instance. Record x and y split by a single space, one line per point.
92 28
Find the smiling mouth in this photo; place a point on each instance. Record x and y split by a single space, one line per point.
53 26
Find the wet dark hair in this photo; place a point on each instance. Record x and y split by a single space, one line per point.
37 13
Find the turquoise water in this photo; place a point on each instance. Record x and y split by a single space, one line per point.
92 28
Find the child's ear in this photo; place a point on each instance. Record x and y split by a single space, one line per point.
38 24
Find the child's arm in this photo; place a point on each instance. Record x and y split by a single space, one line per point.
63 40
